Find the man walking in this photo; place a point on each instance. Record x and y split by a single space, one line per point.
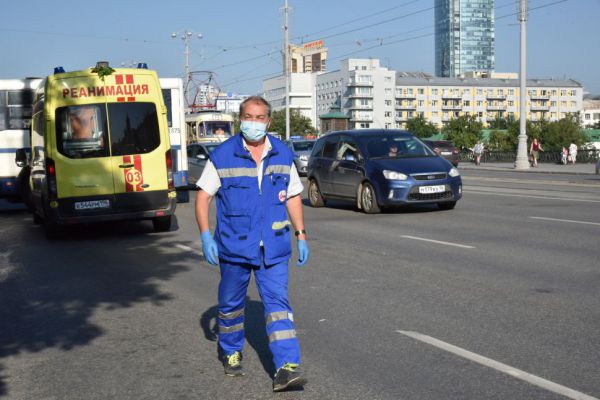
256 185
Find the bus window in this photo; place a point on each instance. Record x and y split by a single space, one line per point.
167 98
15 109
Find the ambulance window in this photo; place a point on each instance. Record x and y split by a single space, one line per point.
81 131
133 128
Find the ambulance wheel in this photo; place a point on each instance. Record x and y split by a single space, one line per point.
162 224
368 199
51 229
314 194
37 220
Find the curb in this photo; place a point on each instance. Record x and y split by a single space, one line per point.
531 170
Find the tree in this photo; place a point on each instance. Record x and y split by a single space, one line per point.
555 135
463 131
420 127
502 140
299 124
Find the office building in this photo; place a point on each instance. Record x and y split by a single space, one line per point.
464 36
308 57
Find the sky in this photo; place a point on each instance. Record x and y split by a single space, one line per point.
241 41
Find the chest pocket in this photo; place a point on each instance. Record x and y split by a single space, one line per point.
280 184
235 193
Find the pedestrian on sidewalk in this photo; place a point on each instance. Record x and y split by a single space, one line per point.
572 152
564 155
256 185
534 151
477 152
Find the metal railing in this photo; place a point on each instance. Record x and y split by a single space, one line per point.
553 157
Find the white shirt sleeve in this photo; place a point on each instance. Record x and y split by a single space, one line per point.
209 180
295 186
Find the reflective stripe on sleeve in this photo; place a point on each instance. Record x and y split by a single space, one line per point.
277 169
276 316
230 329
237 172
281 335
232 315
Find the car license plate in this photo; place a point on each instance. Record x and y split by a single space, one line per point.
92 204
446 153
432 189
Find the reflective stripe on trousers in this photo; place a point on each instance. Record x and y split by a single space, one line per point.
279 320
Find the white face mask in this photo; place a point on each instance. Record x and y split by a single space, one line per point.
253 131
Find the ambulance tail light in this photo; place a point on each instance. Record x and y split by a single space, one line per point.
51 178
169 159
142 65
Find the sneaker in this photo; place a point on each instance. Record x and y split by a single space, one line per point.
233 364
288 377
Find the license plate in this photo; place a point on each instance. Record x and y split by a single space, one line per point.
92 204
432 189
446 153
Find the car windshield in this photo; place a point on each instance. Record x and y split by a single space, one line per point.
303 146
395 146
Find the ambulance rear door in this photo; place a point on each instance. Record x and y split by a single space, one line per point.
139 140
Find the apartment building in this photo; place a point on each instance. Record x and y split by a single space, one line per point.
373 96
440 99
590 113
362 89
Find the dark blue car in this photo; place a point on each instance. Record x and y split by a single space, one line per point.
380 168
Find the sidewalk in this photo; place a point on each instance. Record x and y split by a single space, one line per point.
545 168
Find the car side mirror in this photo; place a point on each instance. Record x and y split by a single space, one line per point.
21 157
201 157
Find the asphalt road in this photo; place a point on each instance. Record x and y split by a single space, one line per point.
496 299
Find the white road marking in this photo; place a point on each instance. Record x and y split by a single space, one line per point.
530 196
464 246
507 369
184 247
567 220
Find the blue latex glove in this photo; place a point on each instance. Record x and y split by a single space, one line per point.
302 252
209 248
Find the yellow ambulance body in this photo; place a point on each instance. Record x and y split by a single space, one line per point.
100 149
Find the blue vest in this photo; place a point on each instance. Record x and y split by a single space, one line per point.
246 214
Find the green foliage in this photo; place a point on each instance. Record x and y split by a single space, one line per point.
299 124
463 131
500 123
503 140
552 135
103 71
420 127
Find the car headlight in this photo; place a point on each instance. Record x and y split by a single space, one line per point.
303 158
393 175
454 173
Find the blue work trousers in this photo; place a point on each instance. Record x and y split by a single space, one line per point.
272 283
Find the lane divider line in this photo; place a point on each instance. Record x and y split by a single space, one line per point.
184 247
567 220
464 246
471 191
498 366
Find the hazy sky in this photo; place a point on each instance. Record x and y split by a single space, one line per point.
242 40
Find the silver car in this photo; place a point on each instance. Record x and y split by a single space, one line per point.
197 158
302 150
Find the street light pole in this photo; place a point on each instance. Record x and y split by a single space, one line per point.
185 36
522 162
286 71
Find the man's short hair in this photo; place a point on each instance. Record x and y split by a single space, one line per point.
258 100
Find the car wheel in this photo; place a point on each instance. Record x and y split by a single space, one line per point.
314 194
447 205
368 199
162 224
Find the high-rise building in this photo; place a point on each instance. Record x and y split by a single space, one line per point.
464 36
308 58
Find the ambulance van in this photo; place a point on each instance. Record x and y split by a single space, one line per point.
100 149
